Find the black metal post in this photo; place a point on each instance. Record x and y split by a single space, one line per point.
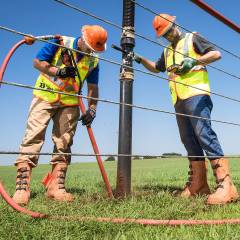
126 90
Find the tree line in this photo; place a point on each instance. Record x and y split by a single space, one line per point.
164 155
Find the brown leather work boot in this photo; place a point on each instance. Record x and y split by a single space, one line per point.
55 183
22 194
225 192
197 182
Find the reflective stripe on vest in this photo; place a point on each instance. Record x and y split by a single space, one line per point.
196 77
85 66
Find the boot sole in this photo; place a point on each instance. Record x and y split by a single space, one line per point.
201 192
56 199
21 203
233 199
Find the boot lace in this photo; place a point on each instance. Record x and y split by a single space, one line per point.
190 173
22 175
61 178
219 181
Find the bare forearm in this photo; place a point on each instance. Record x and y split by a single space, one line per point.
93 103
94 93
45 67
151 66
209 57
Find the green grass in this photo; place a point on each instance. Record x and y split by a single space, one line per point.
153 182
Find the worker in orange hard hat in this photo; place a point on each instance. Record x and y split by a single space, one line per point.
58 73
185 60
163 23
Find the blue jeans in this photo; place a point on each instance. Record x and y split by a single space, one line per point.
197 135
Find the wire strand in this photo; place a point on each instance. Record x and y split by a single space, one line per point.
119 103
3 152
119 64
139 35
185 29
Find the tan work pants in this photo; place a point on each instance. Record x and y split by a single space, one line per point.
65 121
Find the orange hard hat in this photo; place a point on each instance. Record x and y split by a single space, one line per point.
162 23
95 37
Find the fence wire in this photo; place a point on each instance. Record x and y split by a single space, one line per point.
120 103
119 64
185 29
112 155
141 36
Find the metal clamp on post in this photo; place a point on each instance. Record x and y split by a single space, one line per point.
128 32
128 39
126 75
127 44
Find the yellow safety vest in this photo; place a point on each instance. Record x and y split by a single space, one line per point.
196 77
85 66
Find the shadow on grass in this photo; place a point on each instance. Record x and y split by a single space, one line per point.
158 188
35 194
79 191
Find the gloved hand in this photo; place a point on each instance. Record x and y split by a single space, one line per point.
137 58
173 68
88 117
186 65
66 72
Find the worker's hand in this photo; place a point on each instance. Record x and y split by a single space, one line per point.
173 68
88 117
66 72
137 58
186 65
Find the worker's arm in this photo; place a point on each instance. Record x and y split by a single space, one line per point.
92 92
43 60
45 67
44 57
156 67
151 66
207 51
88 117
209 57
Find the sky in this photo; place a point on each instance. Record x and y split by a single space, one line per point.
153 133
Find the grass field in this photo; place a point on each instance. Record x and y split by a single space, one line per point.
153 182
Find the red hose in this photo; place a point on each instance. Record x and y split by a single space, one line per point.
90 131
18 208
96 151
7 58
148 221
3 193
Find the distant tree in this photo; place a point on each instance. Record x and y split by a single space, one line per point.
111 158
172 154
149 157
